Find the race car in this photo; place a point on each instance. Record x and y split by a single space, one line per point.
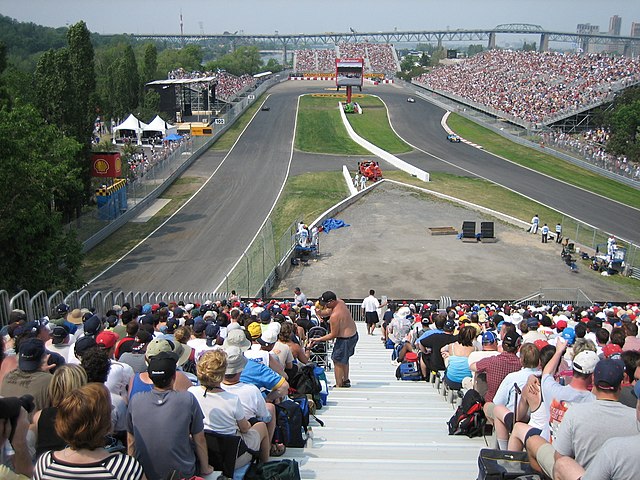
265 108
453 138
411 100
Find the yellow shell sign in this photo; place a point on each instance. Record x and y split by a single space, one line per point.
101 166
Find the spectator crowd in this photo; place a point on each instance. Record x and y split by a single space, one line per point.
108 390
558 381
228 86
378 58
591 146
534 87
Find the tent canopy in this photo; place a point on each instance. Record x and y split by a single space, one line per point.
159 125
131 123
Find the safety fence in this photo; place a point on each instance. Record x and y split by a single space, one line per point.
256 271
43 304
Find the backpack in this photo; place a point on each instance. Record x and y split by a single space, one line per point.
389 344
275 470
408 371
190 365
289 424
305 380
469 419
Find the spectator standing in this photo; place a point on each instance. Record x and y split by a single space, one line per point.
535 221
558 232
370 307
545 233
299 297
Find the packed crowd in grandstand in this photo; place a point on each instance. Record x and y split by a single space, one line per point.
534 87
228 85
591 146
108 387
379 58
140 162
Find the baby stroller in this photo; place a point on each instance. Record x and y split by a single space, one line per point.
320 352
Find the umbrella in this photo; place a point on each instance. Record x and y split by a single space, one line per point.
173 137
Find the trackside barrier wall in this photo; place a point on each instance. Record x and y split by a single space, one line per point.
377 151
177 164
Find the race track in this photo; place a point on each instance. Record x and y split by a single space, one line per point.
194 250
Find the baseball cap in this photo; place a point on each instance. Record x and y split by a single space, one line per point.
489 337
611 349
62 308
17 315
235 360
569 334
92 325
162 366
449 325
30 354
327 297
83 344
540 344
159 345
561 325
255 330
585 362
608 374
199 326
532 322
58 334
269 337
107 339
236 338
512 340
172 324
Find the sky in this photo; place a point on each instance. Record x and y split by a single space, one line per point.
312 16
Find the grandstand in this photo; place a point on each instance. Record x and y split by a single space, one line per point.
533 89
381 60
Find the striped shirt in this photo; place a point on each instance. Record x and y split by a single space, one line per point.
115 467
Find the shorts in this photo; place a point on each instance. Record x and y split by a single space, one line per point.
371 318
252 441
546 457
344 348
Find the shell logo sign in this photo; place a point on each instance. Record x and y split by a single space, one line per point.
105 164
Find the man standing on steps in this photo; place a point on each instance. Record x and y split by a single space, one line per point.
344 330
370 306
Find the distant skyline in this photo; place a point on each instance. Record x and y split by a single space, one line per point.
308 16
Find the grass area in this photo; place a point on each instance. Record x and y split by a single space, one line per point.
228 138
544 163
307 196
127 237
320 128
373 125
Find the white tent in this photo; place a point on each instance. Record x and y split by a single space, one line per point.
159 125
131 124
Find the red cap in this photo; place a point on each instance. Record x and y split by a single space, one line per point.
561 325
611 349
540 344
107 338
155 307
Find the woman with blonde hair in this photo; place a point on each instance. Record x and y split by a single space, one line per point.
223 411
82 421
65 379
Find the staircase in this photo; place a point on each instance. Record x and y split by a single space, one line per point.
382 428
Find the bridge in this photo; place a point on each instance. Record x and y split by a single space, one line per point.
488 36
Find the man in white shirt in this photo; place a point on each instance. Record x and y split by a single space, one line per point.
370 307
300 298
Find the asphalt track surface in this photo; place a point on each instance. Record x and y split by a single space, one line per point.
196 248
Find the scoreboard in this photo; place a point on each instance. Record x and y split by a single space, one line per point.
349 72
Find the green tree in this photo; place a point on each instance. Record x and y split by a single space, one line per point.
188 58
126 82
149 64
474 50
529 47
37 166
242 60
53 92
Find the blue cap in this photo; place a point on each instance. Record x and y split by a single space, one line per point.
489 337
569 334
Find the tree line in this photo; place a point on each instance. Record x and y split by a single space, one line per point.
54 83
